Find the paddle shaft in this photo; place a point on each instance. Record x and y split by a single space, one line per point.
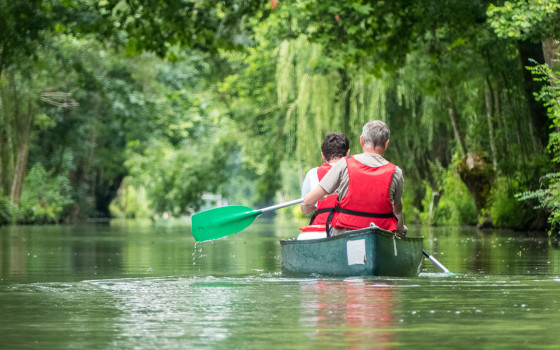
278 206
435 261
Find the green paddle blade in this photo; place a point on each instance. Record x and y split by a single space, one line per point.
220 222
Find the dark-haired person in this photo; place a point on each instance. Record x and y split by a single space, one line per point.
334 147
369 187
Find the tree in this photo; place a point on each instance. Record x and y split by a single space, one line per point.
537 22
31 28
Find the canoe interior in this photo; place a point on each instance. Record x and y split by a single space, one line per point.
369 251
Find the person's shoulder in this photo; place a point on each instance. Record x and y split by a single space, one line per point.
341 164
312 171
398 173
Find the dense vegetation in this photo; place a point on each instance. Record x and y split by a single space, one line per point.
136 108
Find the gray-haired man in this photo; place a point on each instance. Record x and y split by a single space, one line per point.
369 187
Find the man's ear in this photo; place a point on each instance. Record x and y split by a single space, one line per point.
323 156
361 141
348 153
386 144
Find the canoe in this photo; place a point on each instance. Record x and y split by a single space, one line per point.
366 252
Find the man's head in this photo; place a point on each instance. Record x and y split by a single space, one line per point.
375 134
335 145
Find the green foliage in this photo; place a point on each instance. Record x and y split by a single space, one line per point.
6 211
253 111
324 101
547 198
176 178
412 213
22 26
506 212
245 124
534 19
137 26
131 202
550 97
44 198
451 204
428 203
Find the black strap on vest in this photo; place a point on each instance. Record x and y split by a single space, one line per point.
329 219
338 209
366 214
319 212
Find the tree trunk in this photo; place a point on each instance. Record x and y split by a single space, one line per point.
346 94
453 117
551 49
79 177
25 124
489 112
474 170
19 172
2 134
8 117
478 176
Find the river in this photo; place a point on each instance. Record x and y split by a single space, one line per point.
135 285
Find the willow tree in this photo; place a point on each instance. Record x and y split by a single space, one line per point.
322 99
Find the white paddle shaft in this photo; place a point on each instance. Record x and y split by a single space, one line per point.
282 205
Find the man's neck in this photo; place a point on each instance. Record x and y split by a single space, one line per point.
377 150
333 160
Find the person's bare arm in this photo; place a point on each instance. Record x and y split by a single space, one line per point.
313 197
397 210
307 209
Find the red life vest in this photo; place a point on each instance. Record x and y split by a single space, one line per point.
367 199
324 207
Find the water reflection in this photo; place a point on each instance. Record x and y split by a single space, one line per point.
13 258
148 287
468 250
362 312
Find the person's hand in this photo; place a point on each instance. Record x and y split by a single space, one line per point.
402 230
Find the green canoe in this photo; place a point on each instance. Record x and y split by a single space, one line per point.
365 252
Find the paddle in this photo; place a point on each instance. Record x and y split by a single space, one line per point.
224 221
438 264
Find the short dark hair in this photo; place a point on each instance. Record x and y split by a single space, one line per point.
335 145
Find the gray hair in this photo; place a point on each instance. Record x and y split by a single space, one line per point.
375 133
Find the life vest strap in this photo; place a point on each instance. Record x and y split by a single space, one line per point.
338 209
319 212
366 214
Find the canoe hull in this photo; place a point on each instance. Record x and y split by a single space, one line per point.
365 252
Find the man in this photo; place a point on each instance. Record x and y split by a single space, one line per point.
369 187
334 147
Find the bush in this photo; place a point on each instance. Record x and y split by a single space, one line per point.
506 211
547 199
452 204
44 197
6 210
130 202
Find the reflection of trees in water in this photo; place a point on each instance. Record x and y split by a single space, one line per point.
469 250
352 312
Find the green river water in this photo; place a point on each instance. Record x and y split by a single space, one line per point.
129 286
